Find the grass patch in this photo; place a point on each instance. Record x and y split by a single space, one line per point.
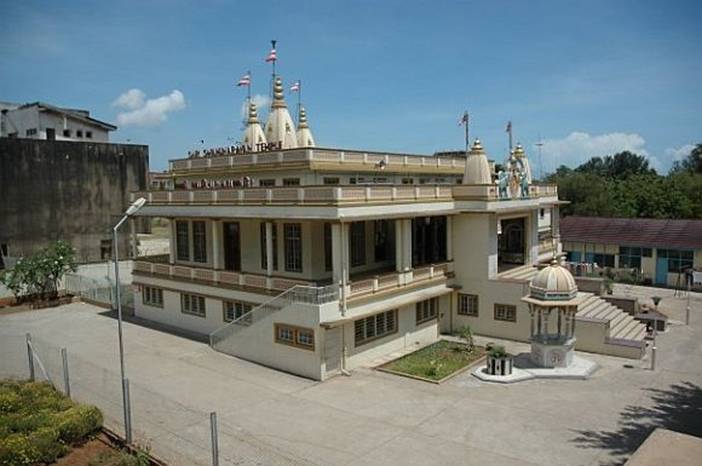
39 424
436 361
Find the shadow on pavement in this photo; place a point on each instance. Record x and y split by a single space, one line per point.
194 336
678 408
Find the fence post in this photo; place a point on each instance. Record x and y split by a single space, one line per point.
66 379
127 412
213 434
30 356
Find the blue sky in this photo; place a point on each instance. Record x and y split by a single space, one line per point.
590 77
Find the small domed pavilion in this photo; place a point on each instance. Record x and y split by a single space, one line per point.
553 302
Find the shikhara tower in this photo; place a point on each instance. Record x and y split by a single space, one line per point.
253 134
280 128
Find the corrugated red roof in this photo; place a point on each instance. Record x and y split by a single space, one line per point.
643 232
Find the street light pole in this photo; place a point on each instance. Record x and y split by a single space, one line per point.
138 204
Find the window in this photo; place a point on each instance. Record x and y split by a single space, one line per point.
89 134
199 242
382 240
31 132
603 260
291 181
152 296
79 133
182 241
505 312
542 213
427 310
292 237
192 304
358 243
331 180
232 246
266 183
234 310
67 133
428 240
327 247
376 326
678 260
468 305
298 337
630 257
264 250
407 180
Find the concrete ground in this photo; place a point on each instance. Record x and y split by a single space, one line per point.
268 417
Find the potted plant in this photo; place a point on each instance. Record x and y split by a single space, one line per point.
499 361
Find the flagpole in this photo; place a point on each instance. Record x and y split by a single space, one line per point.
299 99
467 118
248 90
509 126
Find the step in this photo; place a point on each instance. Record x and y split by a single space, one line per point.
594 309
620 325
587 305
617 319
607 313
641 335
602 311
623 332
635 330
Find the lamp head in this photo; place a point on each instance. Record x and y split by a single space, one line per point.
136 205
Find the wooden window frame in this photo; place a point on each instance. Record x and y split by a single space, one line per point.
179 243
264 252
331 181
293 247
234 303
376 336
420 309
266 182
296 331
357 244
147 295
199 250
472 305
291 181
508 307
190 312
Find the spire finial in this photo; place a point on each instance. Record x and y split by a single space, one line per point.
302 118
278 96
477 147
253 114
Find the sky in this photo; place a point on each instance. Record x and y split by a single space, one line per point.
586 78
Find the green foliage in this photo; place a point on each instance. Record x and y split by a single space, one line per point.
436 361
38 424
692 163
623 185
41 273
497 351
466 334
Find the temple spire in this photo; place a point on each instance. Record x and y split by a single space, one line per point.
253 134
280 128
304 134
477 166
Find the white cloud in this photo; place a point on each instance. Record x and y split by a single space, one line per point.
679 153
130 100
578 147
262 102
151 112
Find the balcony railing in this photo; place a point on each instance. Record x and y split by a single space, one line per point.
156 267
322 156
307 195
394 280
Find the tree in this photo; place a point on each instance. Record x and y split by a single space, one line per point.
692 163
617 166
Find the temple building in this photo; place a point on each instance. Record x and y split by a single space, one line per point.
326 259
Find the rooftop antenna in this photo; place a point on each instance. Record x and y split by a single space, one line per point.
541 166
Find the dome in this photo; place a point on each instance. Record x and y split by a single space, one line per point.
553 283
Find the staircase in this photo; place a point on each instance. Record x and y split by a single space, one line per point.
604 328
225 339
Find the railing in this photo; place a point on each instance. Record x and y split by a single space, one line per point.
310 195
320 155
223 339
154 266
395 280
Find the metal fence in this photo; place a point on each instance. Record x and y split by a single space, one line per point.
174 432
98 291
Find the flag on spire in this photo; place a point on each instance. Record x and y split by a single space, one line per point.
295 87
463 120
509 127
272 56
244 81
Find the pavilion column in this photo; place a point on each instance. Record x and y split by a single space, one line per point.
538 320
269 248
572 324
217 244
531 325
559 321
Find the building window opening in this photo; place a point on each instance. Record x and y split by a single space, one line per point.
511 243
292 233
358 243
428 240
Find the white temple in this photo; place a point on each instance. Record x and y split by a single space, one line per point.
280 128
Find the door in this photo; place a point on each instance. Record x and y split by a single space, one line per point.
50 134
332 350
232 246
661 271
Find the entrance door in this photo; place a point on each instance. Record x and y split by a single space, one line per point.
512 242
232 246
661 271
332 350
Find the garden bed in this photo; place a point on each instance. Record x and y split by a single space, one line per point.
39 425
437 362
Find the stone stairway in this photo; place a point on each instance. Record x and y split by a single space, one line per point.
620 328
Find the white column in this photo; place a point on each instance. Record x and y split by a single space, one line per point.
407 244
269 248
172 243
449 238
399 238
217 244
337 272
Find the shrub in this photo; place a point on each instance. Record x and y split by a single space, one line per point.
77 423
466 334
497 351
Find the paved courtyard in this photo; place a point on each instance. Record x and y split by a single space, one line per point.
268 417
